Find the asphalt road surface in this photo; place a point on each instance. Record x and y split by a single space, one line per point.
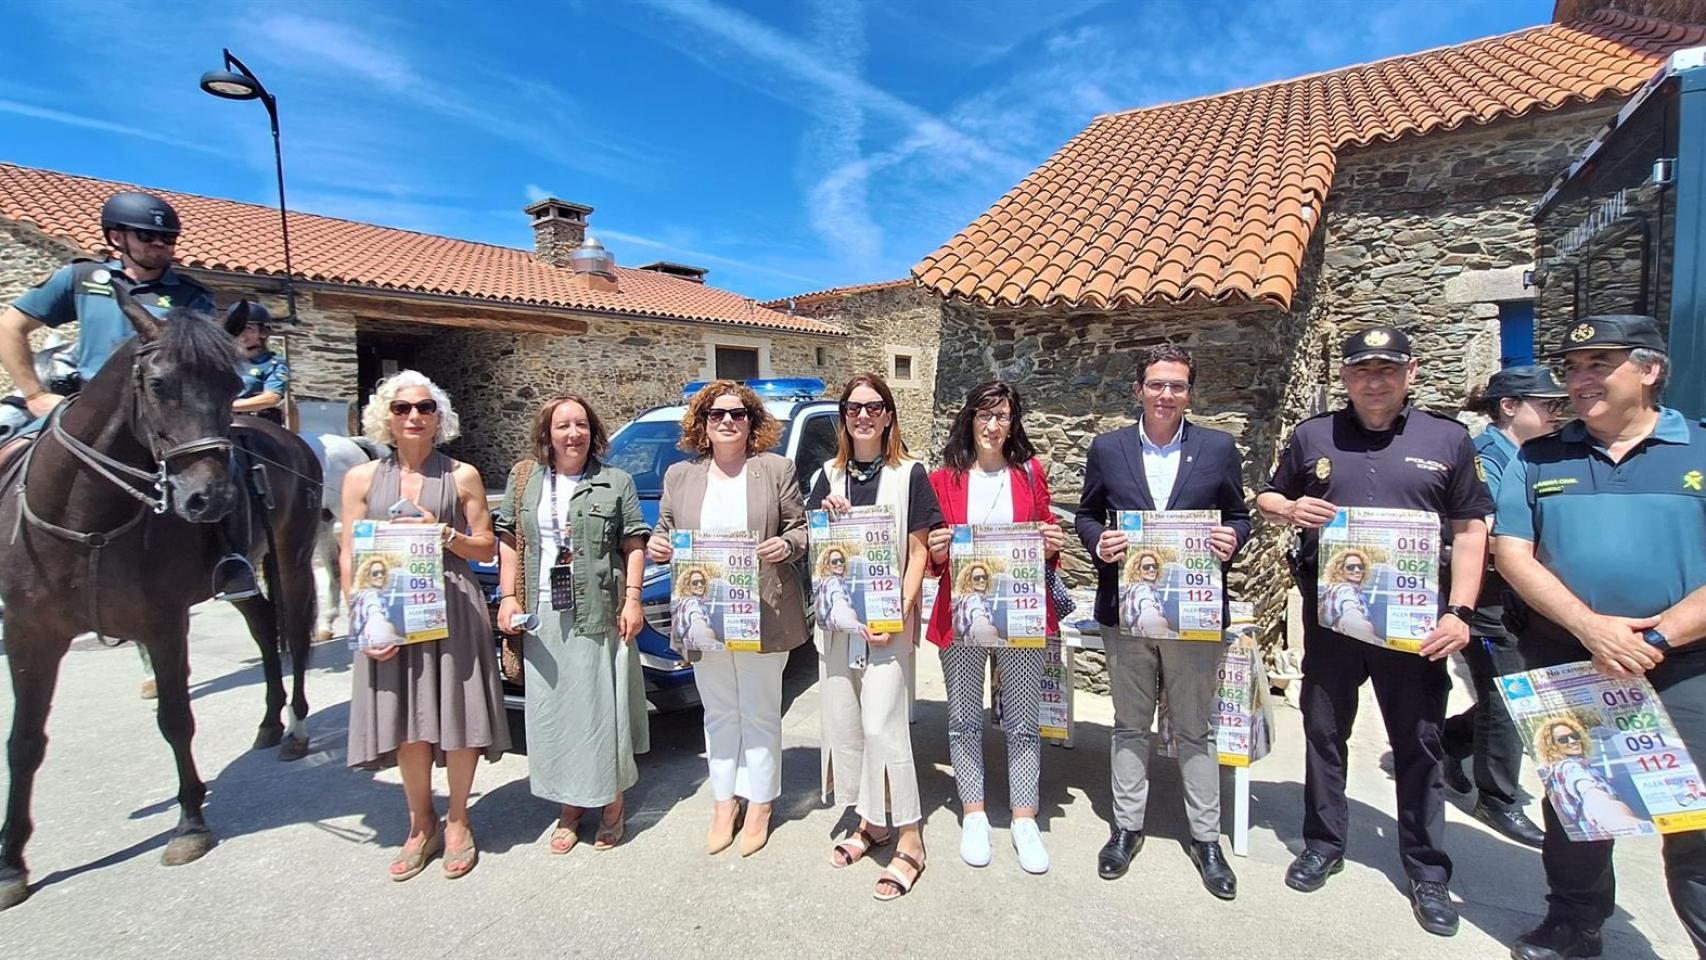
299 871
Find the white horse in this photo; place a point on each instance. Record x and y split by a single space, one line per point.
337 455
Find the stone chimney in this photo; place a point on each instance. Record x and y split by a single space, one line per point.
559 227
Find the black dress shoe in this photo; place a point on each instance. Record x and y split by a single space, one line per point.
1511 822
1431 902
1557 939
1115 858
1456 777
1309 872
1217 877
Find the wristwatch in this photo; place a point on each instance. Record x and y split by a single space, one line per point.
1461 612
1656 640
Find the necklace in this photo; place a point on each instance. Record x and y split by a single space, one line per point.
863 472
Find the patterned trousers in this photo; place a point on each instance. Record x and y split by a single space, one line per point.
964 666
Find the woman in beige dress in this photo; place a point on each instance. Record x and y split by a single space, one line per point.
441 700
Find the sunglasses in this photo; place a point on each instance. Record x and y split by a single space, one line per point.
1354 568
1148 565
836 561
979 576
375 573
872 408
426 408
717 415
155 236
1567 738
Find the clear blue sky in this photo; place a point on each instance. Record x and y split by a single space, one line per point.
787 146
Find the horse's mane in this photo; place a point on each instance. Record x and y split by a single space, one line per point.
192 339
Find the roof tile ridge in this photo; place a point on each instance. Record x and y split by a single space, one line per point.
1334 71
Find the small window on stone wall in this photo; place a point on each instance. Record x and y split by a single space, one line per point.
822 356
737 363
902 372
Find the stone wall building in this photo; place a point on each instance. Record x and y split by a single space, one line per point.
500 329
895 329
1260 227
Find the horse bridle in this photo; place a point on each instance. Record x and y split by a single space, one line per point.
116 473
111 469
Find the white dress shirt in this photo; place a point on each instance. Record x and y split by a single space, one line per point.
1161 464
988 499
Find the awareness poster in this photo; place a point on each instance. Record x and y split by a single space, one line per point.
855 579
1054 707
1243 716
397 595
714 590
1170 580
1607 752
1378 578
998 594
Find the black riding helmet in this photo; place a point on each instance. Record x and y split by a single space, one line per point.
134 210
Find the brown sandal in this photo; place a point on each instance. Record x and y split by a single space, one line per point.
854 848
417 861
610 834
459 863
900 884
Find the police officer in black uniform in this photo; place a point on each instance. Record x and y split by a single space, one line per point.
1379 451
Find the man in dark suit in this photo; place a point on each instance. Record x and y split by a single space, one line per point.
1162 463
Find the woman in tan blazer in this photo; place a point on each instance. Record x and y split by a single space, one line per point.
733 484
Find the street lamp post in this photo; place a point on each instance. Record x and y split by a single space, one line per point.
238 82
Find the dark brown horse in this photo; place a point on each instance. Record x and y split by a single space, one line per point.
110 523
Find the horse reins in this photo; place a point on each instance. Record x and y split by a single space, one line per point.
115 472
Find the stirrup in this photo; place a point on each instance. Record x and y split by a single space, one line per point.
234 571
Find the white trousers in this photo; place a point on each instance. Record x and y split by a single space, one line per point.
742 695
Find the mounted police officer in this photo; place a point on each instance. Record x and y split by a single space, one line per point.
266 377
142 231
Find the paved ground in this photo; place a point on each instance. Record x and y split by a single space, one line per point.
300 868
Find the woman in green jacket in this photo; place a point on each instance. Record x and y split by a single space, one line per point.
570 559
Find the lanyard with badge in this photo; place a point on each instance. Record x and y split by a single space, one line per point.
562 572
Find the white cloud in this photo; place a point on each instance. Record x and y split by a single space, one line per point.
95 123
536 193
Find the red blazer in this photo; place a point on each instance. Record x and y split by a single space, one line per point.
1030 503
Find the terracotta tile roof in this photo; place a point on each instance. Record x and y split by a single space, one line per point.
816 296
228 236
1215 199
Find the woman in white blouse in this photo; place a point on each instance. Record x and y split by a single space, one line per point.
734 484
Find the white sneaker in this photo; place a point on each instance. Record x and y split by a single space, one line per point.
1028 842
974 839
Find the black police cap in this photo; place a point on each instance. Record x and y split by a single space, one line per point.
135 210
1377 343
1620 331
1525 381
245 312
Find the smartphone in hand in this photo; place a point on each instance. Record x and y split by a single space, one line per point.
404 507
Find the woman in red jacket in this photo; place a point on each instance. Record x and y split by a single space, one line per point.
991 476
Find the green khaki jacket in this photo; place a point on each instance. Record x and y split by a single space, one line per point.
603 511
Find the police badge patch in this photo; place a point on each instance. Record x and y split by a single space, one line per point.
1581 333
1323 468
1480 470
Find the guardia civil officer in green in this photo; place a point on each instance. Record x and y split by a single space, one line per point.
1601 533
266 377
142 232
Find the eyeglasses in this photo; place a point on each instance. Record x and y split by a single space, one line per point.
155 236
872 408
1570 737
1179 387
1550 404
987 417
719 414
426 408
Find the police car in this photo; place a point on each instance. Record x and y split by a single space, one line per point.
646 447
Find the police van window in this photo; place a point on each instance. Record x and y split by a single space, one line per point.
817 444
645 449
